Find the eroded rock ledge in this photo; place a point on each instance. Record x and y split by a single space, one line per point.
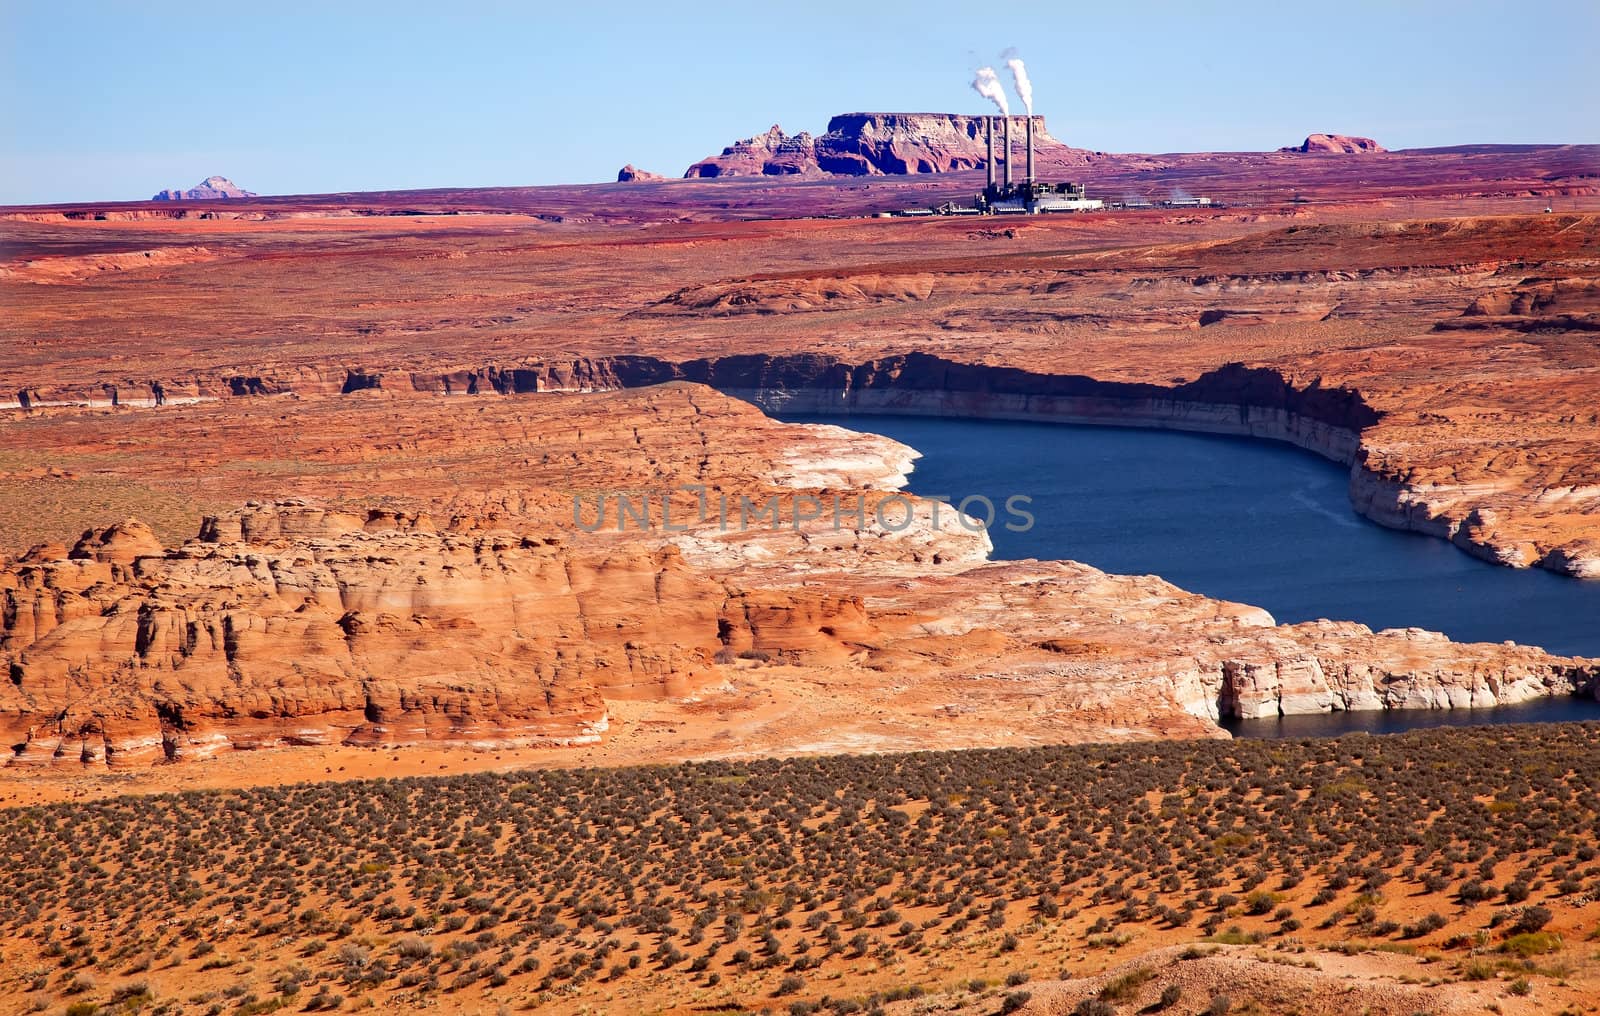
1507 521
297 624
292 624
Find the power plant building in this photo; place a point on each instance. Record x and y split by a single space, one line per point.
1030 196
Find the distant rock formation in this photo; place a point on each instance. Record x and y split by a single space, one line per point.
632 174
209 189
870 144
771 154
1338 144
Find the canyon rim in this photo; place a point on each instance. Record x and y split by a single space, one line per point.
480 597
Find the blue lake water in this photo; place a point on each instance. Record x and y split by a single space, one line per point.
1395 721
1258 522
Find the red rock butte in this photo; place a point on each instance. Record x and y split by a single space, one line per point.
875 144
1336 144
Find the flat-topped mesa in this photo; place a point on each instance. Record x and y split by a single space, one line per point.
872 144
1335 144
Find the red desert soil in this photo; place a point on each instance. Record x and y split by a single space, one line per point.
288 495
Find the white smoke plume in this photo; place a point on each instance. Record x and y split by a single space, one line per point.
987 84
1019 77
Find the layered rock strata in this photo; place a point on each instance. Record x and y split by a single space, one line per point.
1255 402
877 144
486 619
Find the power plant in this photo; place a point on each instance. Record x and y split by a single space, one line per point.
1030 196
1008 197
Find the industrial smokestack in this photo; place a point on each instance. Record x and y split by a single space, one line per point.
988 123
1008 152
1030 149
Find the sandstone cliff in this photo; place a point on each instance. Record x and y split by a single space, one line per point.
453 598
875 144
290 624
773 153
1386 485
296 624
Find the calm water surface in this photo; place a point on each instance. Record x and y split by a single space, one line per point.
1253 521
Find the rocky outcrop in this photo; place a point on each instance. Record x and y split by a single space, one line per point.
74 269
212 188
771 154
1396 669
869 144
1338 144
1263 402
874 144
294 624
299 624
1533 305
630 174
1231 400
440 617
454 597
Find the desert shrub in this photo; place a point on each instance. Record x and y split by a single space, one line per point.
1169 834
132 994
1531 943
1431 923
1125 987
1476 891
1533 919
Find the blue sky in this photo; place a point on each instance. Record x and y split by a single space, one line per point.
117 100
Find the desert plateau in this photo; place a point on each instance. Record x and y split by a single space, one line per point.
504 599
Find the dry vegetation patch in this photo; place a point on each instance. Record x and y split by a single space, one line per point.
839 885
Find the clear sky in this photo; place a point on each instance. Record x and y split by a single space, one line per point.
104 101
